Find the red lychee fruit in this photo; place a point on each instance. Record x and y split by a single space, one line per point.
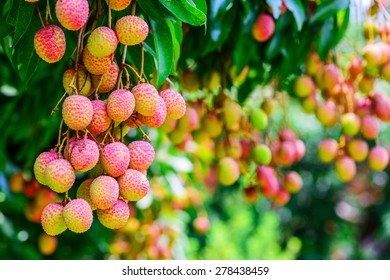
41 163
263 28
115 217
120 105
100 120
50 43
60 175
141 155
133 185
104 192
52 220
175 103
72 14
115 159
77 112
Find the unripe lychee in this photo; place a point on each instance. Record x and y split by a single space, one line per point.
131 30
115 159
120 105
190 121
285 153
78 215
47 244
77 112
96 65
212 125
72 14
258 119
146 99
370 127
350 124
60 175
327 114
133 185
268 182
100 120
115 217
176 106
41 163
304 86
357 149
262 154
263 28
345 168
50 43
232 115
366 84
327 150
107 81
52 219
228 171
102 41
309 104
292 182
158 118
378 158
83 83
118 5
84 155
141 155
104 192
84 192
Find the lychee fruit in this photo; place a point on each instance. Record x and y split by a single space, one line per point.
350 124
258 119
47 244
96 65
78 215
292 182
370 127
228 171
327 150
176 105
146 99
118 5
41 163
133 185
345 168
83 83
212 125
102 41
158 118
115 159
50 43
201 225
141 155
77 112
263 28
106 82
304 86
84 192
72 14
232 115
262 154
378 158
115 217
104 192
84 155
52 220
268 182
100 120
131 30
357 149
60 175
120 105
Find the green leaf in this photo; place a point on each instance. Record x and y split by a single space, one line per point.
275 6
297 9
20 16
164 49
327 9
274 46
152 9
201 5
185 11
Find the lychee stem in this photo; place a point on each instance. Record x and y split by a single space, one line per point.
123 63
134 71
144 135
109 17
39 14
60 133
97 14
107 133
48 13
142 59
134 8
60 149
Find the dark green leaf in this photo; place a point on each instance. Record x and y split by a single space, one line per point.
274 46
20 17
275 6
185 11
327 9
152 9
201 5
297 9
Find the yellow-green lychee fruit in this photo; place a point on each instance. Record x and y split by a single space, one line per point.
118 5
104 192
158 118
131 30
72 14
146 99
120 105
106 82
50 43
175 103
96 65
304 86
84 155
115 217
262 154
52 220
350 124
115 159
228 171
212 125
345 168
78 215
232 115
83 82
41 163
100 120
258 119
60 175
102 41
141 155
133 185
84 192
190 120
77 112
357 149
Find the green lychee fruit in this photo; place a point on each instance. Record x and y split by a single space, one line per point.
120 105
52 220
104 192
131 30
50 43
304 86
72 14
133 185
262 154
232 115
102 41
258 119
60 175
77 112
41 163
212 125
115 217
228 171
115 159
141 155
78 215
350 124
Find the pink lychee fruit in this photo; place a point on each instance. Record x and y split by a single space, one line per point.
141 155
50 43
175 103
77 112
158 118
106 82
41 163
146 99
100 119
96 65
378 158
84 155
115 217
133 185
263 28
104 192
52 219
72 14
60 175
78 215
115 159
131 30
120 105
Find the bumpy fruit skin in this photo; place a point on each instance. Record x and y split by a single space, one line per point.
102 41
176 105
345 168
228 171
258 119
146 99
107 81
115 217
83 82
84 192
77 112
370 127
78 215
131 30
50 43
60 175
84 155
72 14
304 86
350 124
141 155
104 192
96 65
118 5
262 154
292 182
115 159
357 149
327 150
52 220
133 185
268 182
378 158
158 118
120 105
263 28
100 120
40 165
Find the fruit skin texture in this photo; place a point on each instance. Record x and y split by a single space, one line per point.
60 175
115 217
228 171
84 192
292 182
120 105
50 43
141 155
175 103
158 118
100 120
52 220
115 159
262 154
263 28
378 158
146 99
118 5
345 168
133 185
104 192
258 119
107 81
327 150
131 30
102 41
84 155
96 65
40 165
78 215
357 149
77 112
83 81
72 14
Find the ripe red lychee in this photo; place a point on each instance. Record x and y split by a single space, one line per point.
96 65
100 120
370 127
115 217
268 182
50 43
72 14
78 215
133 185
106 82
357 149
141 155
40 165
102 41
201 225
120 105
84 155
146 98
292 182
52 220
115 159
104 192
131 30
378 158
77 112
176 105
263 28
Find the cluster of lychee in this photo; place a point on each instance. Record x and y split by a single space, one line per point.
97 123
352 101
